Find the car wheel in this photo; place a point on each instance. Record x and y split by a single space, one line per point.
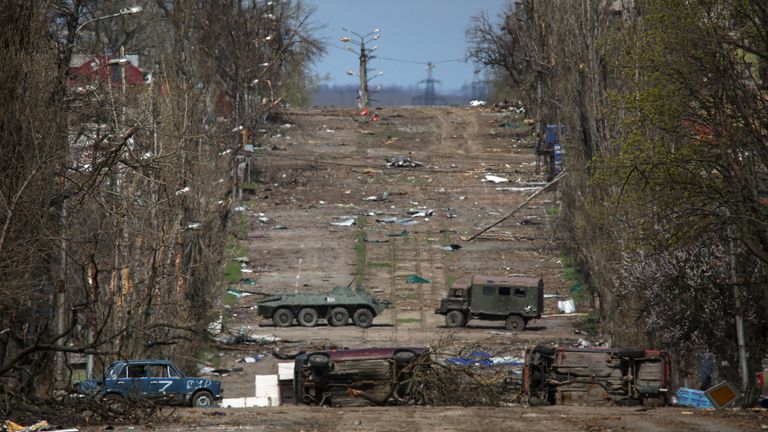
454 319
202 399
515 323
363 318
283 318
319 361
114 403
338 317
307 317
404 357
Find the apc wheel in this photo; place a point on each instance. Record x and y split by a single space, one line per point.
515 323
283 318
114 403
338 317
363 318
202 399
454 319
307 317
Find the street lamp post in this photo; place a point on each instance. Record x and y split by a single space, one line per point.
60 296
364 57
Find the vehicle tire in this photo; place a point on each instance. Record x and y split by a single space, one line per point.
307 317
404 357
632 353
338 316
515 323
202 399
114 403
363 318
319 361
455 318
283 318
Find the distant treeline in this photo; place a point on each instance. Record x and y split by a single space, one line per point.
390 96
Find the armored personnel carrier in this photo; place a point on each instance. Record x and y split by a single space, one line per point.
336 307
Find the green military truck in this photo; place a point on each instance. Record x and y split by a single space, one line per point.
515 299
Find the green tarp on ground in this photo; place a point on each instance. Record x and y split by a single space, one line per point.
414 279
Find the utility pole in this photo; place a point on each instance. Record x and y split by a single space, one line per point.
363 76
364 56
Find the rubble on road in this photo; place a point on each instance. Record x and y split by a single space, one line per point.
494 179
403 162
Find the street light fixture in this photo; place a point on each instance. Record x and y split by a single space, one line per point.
364 56
133 10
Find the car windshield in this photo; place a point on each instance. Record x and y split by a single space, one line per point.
114 371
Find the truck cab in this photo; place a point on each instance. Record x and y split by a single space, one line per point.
514 299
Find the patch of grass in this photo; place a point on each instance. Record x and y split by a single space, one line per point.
552 211
590 323
210 355
232 272
361 251
408 320
450 280
379 265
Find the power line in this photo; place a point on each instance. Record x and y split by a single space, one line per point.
457 60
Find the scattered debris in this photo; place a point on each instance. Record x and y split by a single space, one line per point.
721 394
250 359
415 279
692 398
345 222
384 196
494 179
247 281
451 247
397 220
477 103
15 427
403 162
566 306
237 293
420 212
517 189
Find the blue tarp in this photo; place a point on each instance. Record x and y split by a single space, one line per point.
474 358
693 398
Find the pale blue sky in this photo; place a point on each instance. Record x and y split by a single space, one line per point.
411 30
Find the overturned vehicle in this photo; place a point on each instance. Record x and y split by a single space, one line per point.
596 376
369 376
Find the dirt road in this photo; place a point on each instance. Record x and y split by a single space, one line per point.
319 167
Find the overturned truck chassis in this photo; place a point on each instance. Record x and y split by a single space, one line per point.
374 376
594 376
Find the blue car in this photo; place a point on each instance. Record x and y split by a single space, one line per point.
151 380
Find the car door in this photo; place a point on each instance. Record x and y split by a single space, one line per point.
166 384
